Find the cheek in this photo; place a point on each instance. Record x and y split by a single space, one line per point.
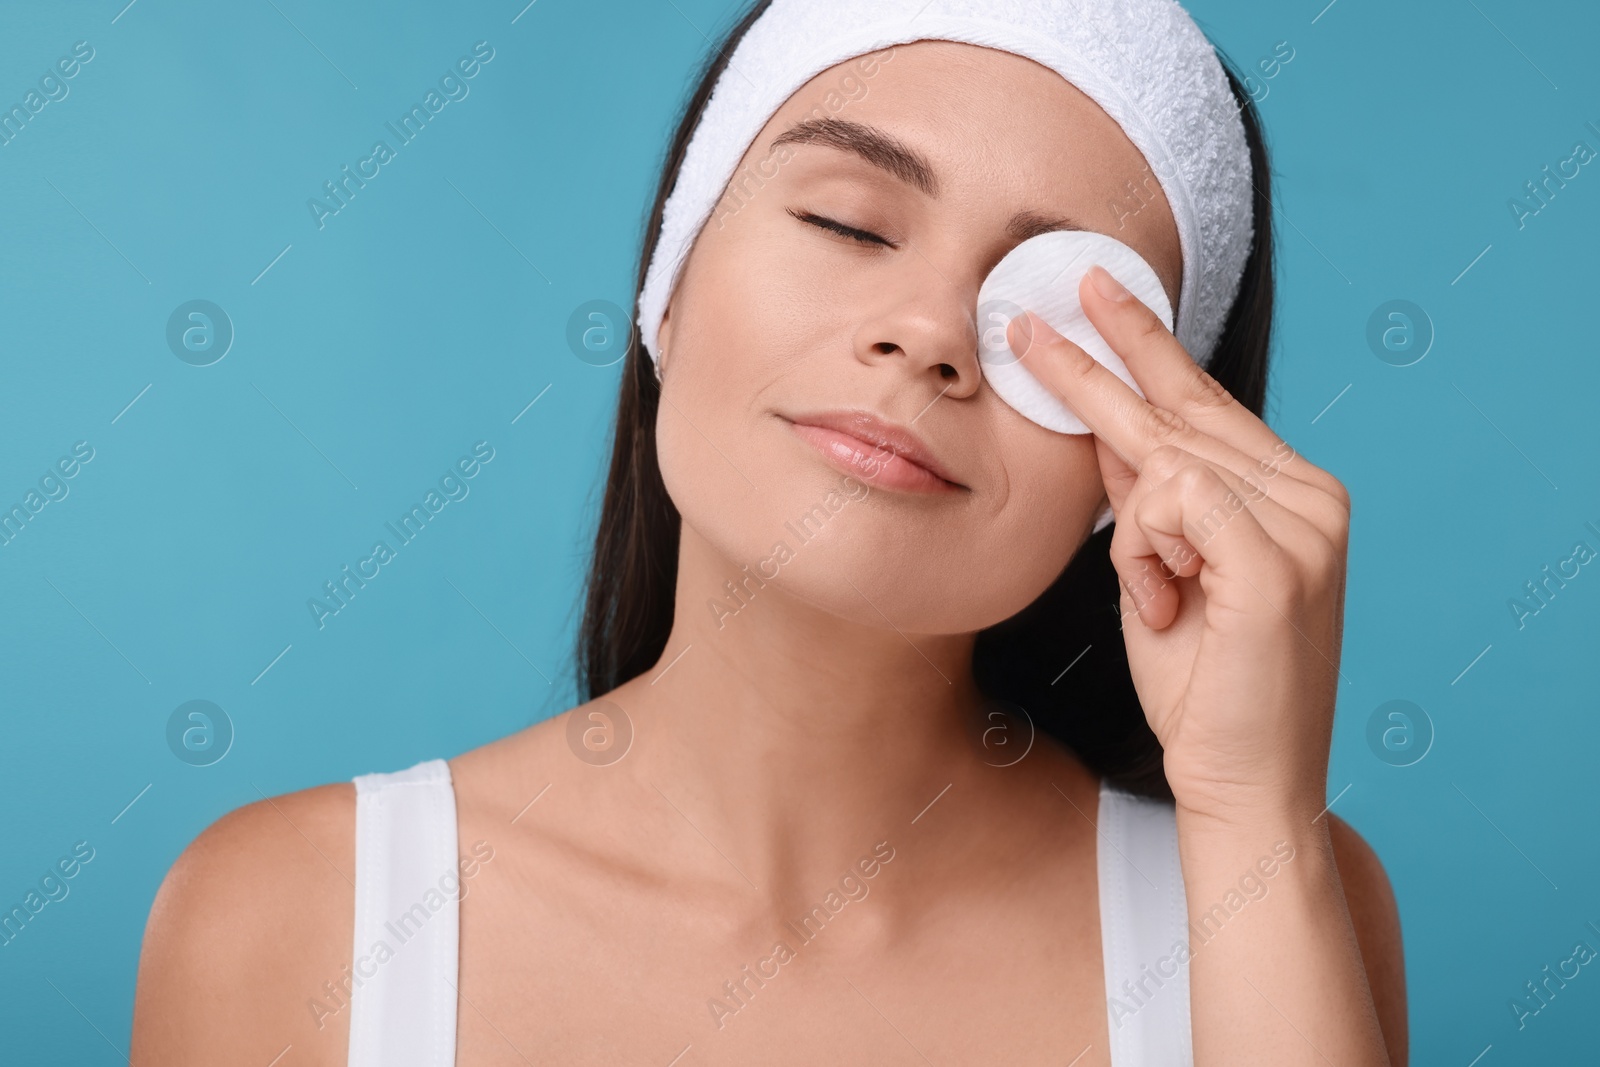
711 463
746 339
784 295
1051 495
726 461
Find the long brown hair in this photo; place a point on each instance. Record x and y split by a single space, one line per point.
1091 707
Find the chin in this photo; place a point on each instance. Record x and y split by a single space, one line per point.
859 581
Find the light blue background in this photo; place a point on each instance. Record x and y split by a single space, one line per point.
429 312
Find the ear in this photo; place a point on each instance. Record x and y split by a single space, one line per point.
663 340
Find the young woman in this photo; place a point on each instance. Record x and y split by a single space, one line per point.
888 758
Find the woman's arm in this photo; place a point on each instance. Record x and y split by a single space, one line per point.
1291 922
1231 549
250 922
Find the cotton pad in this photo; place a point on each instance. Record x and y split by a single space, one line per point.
1041 275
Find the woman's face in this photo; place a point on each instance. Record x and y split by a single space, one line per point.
963 152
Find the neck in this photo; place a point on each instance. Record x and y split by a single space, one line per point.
795 739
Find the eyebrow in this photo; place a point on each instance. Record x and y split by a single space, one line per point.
885 152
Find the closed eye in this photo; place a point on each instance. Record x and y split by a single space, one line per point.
821 222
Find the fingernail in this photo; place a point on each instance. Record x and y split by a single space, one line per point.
1106 285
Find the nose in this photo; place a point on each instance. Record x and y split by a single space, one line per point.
923 319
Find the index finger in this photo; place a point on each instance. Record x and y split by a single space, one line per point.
1132 428
1116 414
1164 368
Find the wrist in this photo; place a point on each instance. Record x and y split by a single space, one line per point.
1291 848
1286 799
1222 825
1298 817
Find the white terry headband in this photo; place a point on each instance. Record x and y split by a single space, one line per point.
1144 62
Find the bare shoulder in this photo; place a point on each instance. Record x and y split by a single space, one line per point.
250 922
1376 917
495 780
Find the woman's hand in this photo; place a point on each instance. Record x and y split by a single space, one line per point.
1230 549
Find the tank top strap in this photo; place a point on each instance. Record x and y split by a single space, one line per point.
407 919
1144 931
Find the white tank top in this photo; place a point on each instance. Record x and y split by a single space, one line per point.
407 922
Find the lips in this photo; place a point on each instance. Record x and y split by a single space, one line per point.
880 452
